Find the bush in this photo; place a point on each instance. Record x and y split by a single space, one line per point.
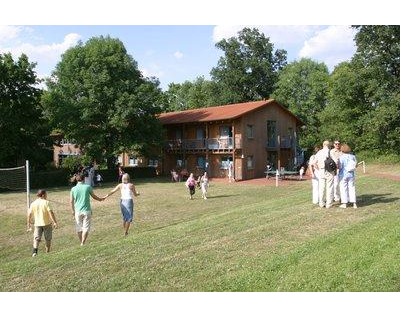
111 175
48 179
378 157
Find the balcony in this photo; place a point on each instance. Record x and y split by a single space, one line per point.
286 143
219 144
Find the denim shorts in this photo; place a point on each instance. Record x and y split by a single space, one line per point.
127 209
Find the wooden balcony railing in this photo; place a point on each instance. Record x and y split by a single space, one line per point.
286 142
204 143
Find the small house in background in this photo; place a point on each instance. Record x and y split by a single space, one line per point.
243 137
63 148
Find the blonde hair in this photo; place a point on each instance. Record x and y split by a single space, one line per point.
126 178
345 148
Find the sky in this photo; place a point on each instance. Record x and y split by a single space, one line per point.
175 53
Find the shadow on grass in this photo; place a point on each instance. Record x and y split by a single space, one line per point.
219 196
371 199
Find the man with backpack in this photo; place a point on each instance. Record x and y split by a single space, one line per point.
326 168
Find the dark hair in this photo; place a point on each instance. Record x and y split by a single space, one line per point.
79 177
41 193
345 148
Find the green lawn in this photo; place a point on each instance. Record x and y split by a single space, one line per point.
244 238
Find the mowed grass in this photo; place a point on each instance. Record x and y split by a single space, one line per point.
244 238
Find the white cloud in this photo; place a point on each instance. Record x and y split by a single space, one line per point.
279 34
9 32
152 71
43 52
331 45
178 54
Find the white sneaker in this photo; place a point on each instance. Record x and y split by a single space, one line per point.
328 206
354 205
343 205
34 254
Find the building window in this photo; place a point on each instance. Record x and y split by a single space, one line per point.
250 131
178 134
271 134
225 131
250 162
133 161
201 162
153 162
225 161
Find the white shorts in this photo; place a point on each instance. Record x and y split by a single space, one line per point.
82 222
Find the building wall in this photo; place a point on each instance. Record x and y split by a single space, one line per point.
67 148
256 147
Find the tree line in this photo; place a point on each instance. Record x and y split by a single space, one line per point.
97 96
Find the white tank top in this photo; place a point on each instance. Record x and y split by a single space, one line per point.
126 193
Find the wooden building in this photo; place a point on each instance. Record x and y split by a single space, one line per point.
245 135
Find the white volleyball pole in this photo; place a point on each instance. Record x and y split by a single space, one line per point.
28 202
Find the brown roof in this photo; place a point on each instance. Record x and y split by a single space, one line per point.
217 113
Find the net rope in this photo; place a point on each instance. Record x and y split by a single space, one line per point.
13 178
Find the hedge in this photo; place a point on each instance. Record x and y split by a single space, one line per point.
60 177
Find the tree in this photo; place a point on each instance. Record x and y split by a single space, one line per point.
24 131
302 87
98 97
249 68
191 95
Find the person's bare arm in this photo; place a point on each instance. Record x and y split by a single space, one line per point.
96 197
72 203
133 189
29 220
53 218
113 190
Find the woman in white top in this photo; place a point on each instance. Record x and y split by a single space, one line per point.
128 190
204 185
314 177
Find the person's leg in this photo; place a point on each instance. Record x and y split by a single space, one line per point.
127 225
315 192
343 192
78 226
321 189
329 189
336 188
86 227
48 236
85 235
37 235
352 191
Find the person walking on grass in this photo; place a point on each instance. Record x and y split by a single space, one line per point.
347 167
204 185
44 220
191 185
128 190
81 209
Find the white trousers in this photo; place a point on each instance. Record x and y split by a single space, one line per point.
315 191
347 190
325 187
336 188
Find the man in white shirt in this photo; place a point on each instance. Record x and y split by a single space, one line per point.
335 154
325 178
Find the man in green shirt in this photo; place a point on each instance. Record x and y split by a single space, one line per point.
80 205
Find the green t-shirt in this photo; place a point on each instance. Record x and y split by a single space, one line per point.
81 195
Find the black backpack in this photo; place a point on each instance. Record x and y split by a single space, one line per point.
330 164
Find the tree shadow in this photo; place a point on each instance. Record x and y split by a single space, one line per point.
370 199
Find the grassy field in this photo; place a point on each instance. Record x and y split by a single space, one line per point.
244 238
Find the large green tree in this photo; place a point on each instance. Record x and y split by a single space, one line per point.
378 53
249 68
98 97
302 87
192 94
24 132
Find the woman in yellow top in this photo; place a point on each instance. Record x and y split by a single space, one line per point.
43 217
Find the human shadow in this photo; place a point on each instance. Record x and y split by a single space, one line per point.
219 196
370 199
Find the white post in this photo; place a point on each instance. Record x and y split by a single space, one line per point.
28 202
276 178
364 166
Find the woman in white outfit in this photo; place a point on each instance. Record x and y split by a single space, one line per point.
347 167
314 177
128 190
204 185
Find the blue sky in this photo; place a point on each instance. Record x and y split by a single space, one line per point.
175 53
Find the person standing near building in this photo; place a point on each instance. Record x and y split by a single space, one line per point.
204 185
314 176
326 172
191 185
120 173
347 164
335 154
230 171
81 209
